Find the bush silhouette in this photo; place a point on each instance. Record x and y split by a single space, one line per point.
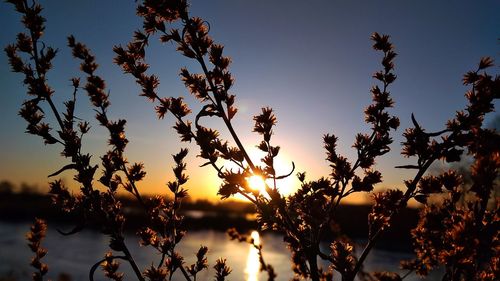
460 235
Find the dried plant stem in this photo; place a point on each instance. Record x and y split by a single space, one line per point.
136 192
228 123
56 113
184 272
132 262
402 204
313 266
233 133
38 68
75 158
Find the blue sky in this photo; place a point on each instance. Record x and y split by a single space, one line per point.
309 60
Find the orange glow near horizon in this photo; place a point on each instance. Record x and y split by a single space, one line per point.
203 183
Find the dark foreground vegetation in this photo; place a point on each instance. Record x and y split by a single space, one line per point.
457 229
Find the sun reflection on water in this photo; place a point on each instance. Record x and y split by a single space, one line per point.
253 266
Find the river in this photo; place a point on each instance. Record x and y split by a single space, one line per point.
75 254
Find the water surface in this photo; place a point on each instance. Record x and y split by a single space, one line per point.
77 253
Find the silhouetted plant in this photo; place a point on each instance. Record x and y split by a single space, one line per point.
461 237
35 237
101 208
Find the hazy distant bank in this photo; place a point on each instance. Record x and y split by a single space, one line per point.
199 215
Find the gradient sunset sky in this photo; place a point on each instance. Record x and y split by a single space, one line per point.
311 61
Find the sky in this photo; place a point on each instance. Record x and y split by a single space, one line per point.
311 61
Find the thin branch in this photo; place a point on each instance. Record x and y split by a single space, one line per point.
402 203
96 265
134 187
129 257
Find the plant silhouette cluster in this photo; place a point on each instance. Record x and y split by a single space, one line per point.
460 235
35 237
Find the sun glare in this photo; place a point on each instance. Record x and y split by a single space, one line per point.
257 183
282 165
253 264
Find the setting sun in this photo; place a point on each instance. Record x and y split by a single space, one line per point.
283 165
257 183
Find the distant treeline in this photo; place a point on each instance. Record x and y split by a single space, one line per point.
7 187
18 204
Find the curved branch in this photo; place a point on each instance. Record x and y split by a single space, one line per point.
96 265
75 229
287 175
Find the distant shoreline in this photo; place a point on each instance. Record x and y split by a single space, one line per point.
200 215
